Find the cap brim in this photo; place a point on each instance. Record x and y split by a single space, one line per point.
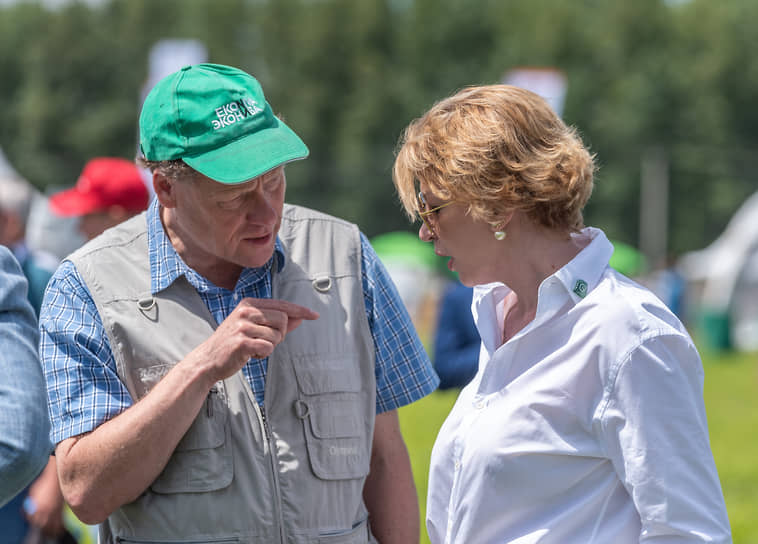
251 155
71 203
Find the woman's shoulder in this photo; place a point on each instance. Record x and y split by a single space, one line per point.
619 314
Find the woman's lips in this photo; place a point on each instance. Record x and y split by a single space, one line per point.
450 263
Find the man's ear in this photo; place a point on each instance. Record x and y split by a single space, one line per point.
165 189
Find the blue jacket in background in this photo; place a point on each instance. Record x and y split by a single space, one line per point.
24 424
456 341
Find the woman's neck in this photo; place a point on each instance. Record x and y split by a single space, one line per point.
533 255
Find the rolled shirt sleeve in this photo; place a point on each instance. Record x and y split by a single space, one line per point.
83 386
404 372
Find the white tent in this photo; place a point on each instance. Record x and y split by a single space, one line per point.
727 273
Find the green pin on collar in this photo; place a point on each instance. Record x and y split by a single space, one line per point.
580 288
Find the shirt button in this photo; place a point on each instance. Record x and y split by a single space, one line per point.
457 465
479 404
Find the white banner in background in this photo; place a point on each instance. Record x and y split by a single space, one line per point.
549 83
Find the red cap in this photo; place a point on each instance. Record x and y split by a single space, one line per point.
103 183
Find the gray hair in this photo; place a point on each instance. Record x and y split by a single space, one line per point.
16 196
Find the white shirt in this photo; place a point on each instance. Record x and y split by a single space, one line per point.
586 427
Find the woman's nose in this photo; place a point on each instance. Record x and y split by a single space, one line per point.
424 234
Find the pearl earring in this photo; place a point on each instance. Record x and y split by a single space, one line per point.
500 235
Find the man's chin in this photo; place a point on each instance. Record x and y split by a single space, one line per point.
255 257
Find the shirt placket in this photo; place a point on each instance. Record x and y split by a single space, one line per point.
474 411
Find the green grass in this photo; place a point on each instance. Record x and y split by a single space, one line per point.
731 401
420 423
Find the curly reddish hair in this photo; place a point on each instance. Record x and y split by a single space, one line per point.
497 148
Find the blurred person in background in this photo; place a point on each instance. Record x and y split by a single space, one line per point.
586 421
456 340
109 191
670 285
24 424
226 366
16 199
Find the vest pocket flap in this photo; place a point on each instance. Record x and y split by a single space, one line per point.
334 418
328 373
208 429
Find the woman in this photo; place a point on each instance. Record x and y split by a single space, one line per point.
585 422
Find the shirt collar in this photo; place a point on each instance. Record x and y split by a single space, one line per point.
574 281
166 265
582 274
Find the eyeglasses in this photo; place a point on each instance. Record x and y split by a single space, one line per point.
429 217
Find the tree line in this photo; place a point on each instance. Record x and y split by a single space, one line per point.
348 75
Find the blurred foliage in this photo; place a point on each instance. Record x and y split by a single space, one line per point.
348 75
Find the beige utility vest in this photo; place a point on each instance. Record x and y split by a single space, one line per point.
290 473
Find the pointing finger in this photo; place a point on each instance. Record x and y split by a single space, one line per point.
293 311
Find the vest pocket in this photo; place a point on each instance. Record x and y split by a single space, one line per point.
202 461
359 534
332 407
130 540
335 436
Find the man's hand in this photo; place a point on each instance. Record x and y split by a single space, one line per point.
116 462
253 329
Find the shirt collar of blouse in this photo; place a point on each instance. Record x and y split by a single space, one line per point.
570 284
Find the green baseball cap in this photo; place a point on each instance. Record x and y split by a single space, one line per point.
216 119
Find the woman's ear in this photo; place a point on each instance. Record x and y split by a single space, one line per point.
502 225
165 189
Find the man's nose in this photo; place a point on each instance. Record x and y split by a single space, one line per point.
260 207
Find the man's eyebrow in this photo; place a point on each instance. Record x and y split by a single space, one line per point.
235 190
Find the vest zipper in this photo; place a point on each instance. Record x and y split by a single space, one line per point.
274 473
267 429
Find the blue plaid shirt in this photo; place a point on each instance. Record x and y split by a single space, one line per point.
84 389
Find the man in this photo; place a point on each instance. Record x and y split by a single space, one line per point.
228 367
24 445
109 191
